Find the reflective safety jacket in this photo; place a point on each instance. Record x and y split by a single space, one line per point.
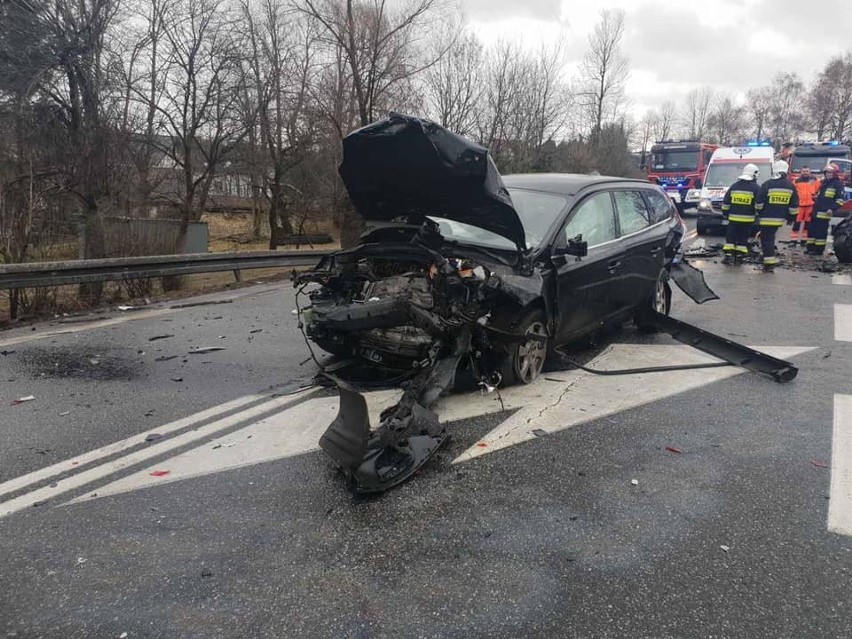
776 201
829 198
807 189
739 202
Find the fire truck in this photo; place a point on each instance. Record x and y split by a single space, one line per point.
678 166
815 155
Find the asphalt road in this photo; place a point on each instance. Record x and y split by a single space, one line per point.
723 534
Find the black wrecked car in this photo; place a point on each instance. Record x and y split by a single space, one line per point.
466 270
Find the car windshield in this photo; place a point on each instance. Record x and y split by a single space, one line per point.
671 161
538 211
813 162
725 174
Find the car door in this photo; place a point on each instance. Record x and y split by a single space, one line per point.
643 246
586 287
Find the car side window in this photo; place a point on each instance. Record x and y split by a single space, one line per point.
594 220
632 213
661 206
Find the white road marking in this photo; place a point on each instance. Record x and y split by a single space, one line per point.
840 504
154 450
73 463
841 279
550 405
587 397
843 322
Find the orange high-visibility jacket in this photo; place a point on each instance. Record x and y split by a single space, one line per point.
807 191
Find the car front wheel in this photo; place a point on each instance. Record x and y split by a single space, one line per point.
525 359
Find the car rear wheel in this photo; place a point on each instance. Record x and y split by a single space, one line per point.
525 360
660 302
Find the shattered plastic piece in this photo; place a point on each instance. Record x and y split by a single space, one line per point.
725 548
159 337
165 358
294 312
206 349
66 413
635 482
206 573
257 330
538 432
6 352
123 635
81 560
816 463
22 400
160 473
154 437
672 449
177 379
126 308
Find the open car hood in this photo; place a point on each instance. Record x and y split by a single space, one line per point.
402 166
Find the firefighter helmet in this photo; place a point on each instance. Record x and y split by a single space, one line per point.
780 168
750 172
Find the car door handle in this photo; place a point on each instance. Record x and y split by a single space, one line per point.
614 265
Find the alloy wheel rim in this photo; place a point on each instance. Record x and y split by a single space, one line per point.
531 354
660 303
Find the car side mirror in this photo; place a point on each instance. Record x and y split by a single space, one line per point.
576 246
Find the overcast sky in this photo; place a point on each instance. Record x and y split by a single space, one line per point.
674 46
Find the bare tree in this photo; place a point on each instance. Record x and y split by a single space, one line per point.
665 121
831 99
696 111
605 70
281 63
454 86
380 41
786 119
726 121
759 108
647 125
198 123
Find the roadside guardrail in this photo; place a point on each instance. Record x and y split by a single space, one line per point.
35 274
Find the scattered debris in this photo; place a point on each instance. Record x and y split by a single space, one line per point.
123 635
672 449
177 379
635 482
12 352
827 355
126 308
816 463
725 548
160 473
165 358
65 414
23 400
257 330
206 573
206 349
538 432
154 437
159 337
81 560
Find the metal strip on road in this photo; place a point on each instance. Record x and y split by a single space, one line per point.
843 322
154 450
840 504
74 463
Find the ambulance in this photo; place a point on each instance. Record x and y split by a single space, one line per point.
725 167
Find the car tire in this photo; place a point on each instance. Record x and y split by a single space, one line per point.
525 360
660 301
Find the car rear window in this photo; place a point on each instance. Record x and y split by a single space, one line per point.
661 206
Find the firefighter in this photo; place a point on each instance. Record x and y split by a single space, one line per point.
776 201
806 187
828 200
738 205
